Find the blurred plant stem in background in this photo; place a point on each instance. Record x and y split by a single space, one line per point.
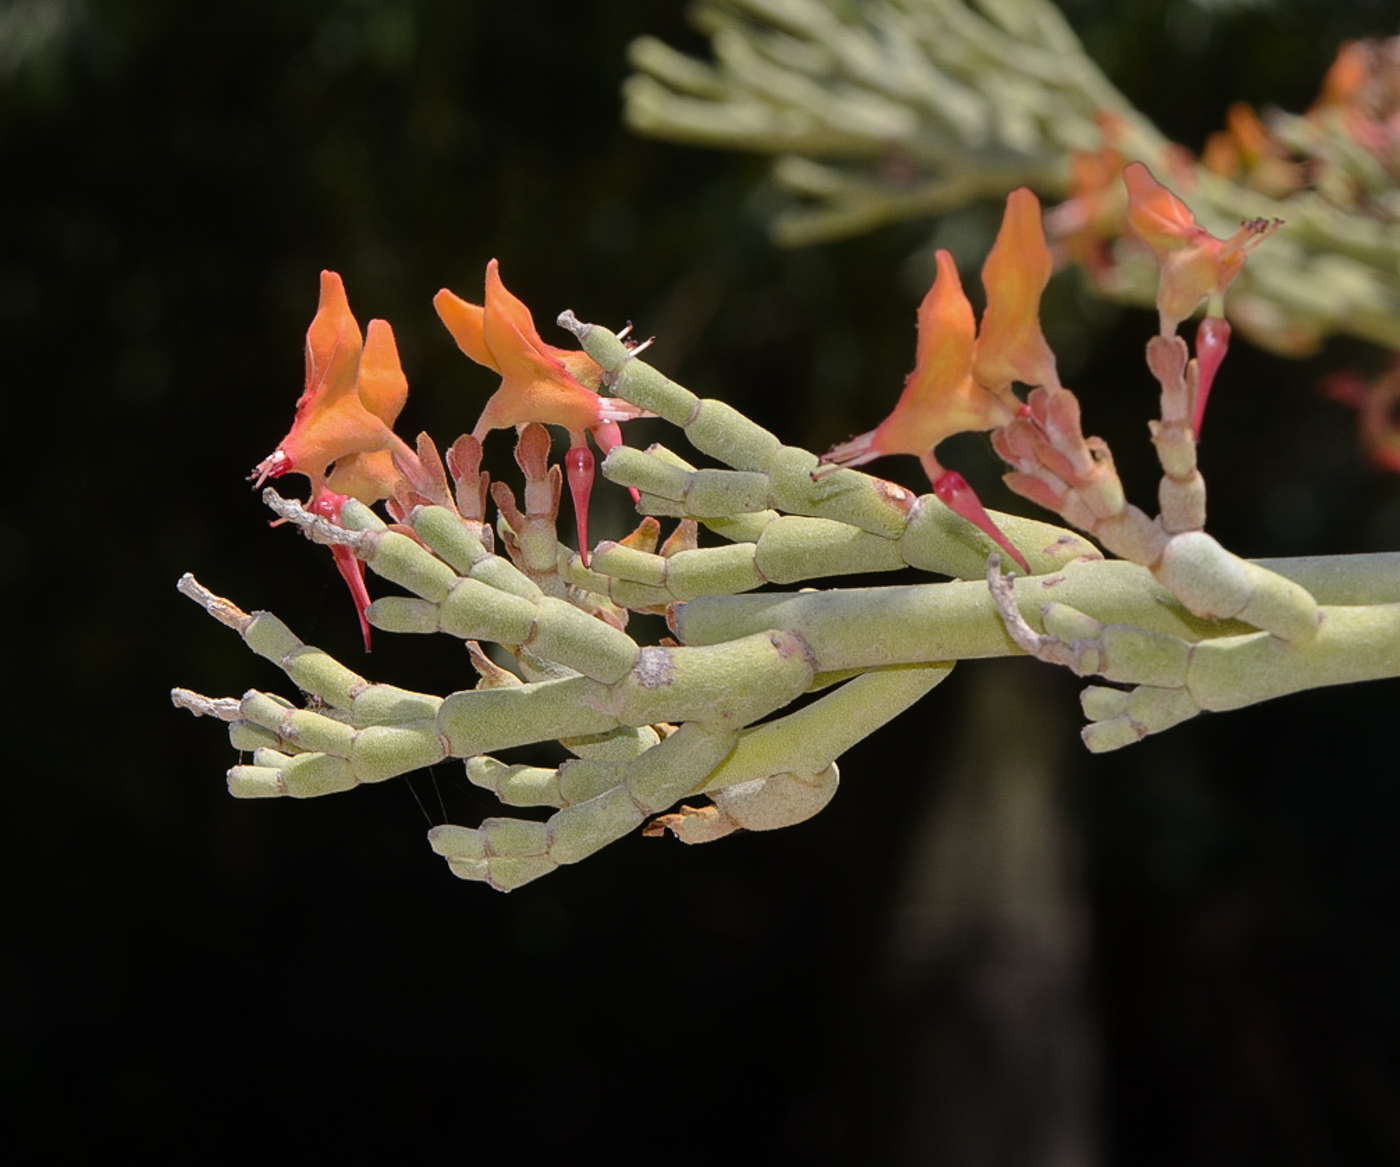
988 948
905 109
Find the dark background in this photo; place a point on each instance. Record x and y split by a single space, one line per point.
186 972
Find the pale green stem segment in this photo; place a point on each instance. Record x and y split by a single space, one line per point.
1177 678
874 627
777 764
919 531
805 742
809 740
508 853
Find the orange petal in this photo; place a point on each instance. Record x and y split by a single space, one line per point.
1161 220
534 385
505 308
1346 76
466 323
332 346
1221 155
939 397
367 477
1255 141
1011 346
383 387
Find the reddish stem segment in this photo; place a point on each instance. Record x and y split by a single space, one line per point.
352 570
578 469
955 494
1212 342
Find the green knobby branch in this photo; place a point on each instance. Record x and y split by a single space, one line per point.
729 708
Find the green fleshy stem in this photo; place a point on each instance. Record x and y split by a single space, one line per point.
508 853
873 627
808 741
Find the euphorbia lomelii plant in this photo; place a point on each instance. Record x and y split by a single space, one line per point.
759 688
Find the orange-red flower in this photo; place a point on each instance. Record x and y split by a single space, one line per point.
1194 264
1361 98
962 378
1247 151
1083 224
539 382
354 391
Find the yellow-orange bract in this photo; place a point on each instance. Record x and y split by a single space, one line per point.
354 391
1010 345
940 397
539 383
1194 264
961 380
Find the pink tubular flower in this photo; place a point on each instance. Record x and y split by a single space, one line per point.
539 383
962 378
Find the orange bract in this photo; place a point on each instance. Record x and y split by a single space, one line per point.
940 397
961 379
1194 264
354 391
538 381
1010 345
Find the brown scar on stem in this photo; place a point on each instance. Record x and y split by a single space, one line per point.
893 493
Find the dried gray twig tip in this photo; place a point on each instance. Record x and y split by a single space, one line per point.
314 527
226 612
223 708
1004 596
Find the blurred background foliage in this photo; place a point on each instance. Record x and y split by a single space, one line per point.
1214 912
